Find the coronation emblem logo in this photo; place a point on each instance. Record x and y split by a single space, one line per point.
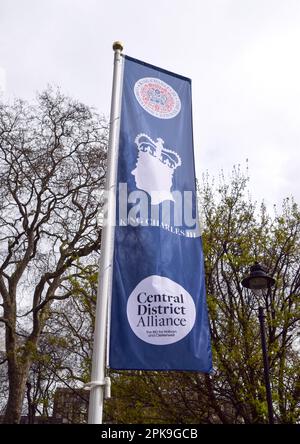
157 97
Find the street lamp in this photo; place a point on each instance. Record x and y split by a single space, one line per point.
258 281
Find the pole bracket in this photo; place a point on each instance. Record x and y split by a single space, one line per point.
105 383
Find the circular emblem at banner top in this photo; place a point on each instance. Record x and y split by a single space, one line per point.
160 311
157 97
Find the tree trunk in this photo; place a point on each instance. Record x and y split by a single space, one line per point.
17 382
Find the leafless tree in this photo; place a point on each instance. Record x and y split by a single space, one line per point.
52 165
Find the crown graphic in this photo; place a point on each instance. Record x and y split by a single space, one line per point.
156 149
156 96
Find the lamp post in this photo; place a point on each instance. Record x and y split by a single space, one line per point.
258 281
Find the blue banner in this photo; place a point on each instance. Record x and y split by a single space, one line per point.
158 316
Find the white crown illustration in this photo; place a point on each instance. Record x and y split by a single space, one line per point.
156 149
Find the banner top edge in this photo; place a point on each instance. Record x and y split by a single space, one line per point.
149 65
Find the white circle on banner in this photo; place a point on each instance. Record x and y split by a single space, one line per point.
157 97
160 311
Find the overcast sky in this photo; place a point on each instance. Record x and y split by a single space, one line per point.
242 57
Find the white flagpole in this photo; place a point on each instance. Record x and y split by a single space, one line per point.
99 384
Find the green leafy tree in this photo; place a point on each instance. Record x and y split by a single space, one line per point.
236 234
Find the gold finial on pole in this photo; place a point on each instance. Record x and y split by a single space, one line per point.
118 46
